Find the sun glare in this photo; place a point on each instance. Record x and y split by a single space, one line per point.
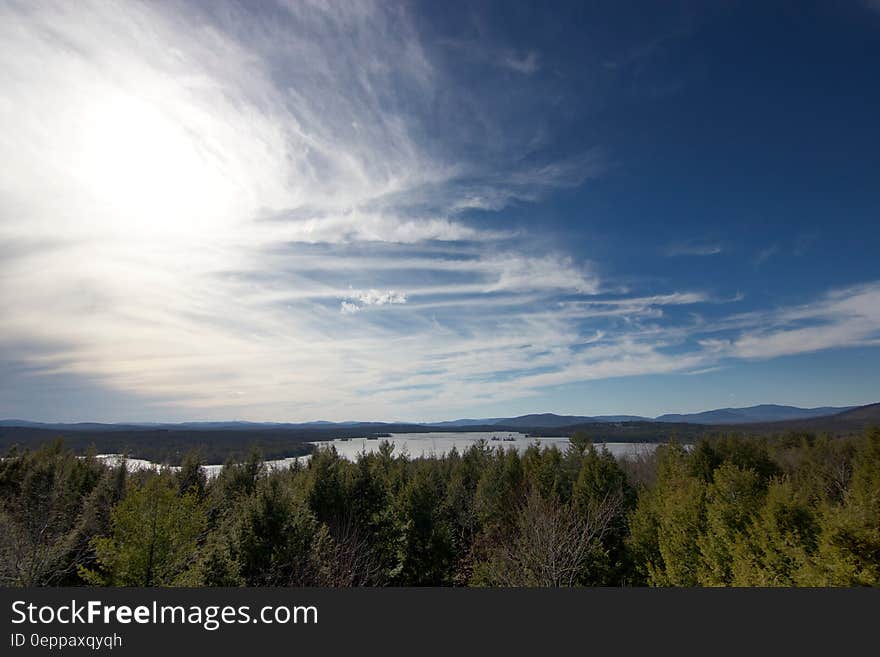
147 170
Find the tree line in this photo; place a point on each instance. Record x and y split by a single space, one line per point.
800 510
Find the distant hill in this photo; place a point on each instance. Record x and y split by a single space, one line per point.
720 416
544 421
867 414
752 414
849 422
551 420
760 416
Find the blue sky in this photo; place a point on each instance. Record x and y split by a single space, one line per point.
420 211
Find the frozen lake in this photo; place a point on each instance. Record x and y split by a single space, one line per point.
439 443
417 445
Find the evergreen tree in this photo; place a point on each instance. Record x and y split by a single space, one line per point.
275 538
42 509
601 486
191 475
849 543
154 537
776 546
732 499
680 515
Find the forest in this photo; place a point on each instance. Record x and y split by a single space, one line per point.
794 510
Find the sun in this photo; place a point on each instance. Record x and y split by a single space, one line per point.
149 173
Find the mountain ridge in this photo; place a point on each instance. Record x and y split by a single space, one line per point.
750 414
761 413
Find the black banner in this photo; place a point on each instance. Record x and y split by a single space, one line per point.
408 621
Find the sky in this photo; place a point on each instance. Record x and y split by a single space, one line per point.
290 211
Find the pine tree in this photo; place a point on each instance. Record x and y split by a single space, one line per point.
732 499
154 537
776 546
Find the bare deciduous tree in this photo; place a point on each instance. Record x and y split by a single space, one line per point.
551 543
346 556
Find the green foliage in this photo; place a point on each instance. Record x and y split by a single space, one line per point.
641 543
275 538
849 542
191 476
50 501
746 453
732 499
216 565
798 510
153 537
426 541
601 492
502 480
580 440
680 509
775 548
821 467
668 520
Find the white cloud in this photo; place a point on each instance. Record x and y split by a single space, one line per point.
185 199
157 159
378 297
846 317
526 64
350 226
361 298
545 273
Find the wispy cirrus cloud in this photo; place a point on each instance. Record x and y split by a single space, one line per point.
765 254
195 155
201 205
845 317
522 61
693 249
526 63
